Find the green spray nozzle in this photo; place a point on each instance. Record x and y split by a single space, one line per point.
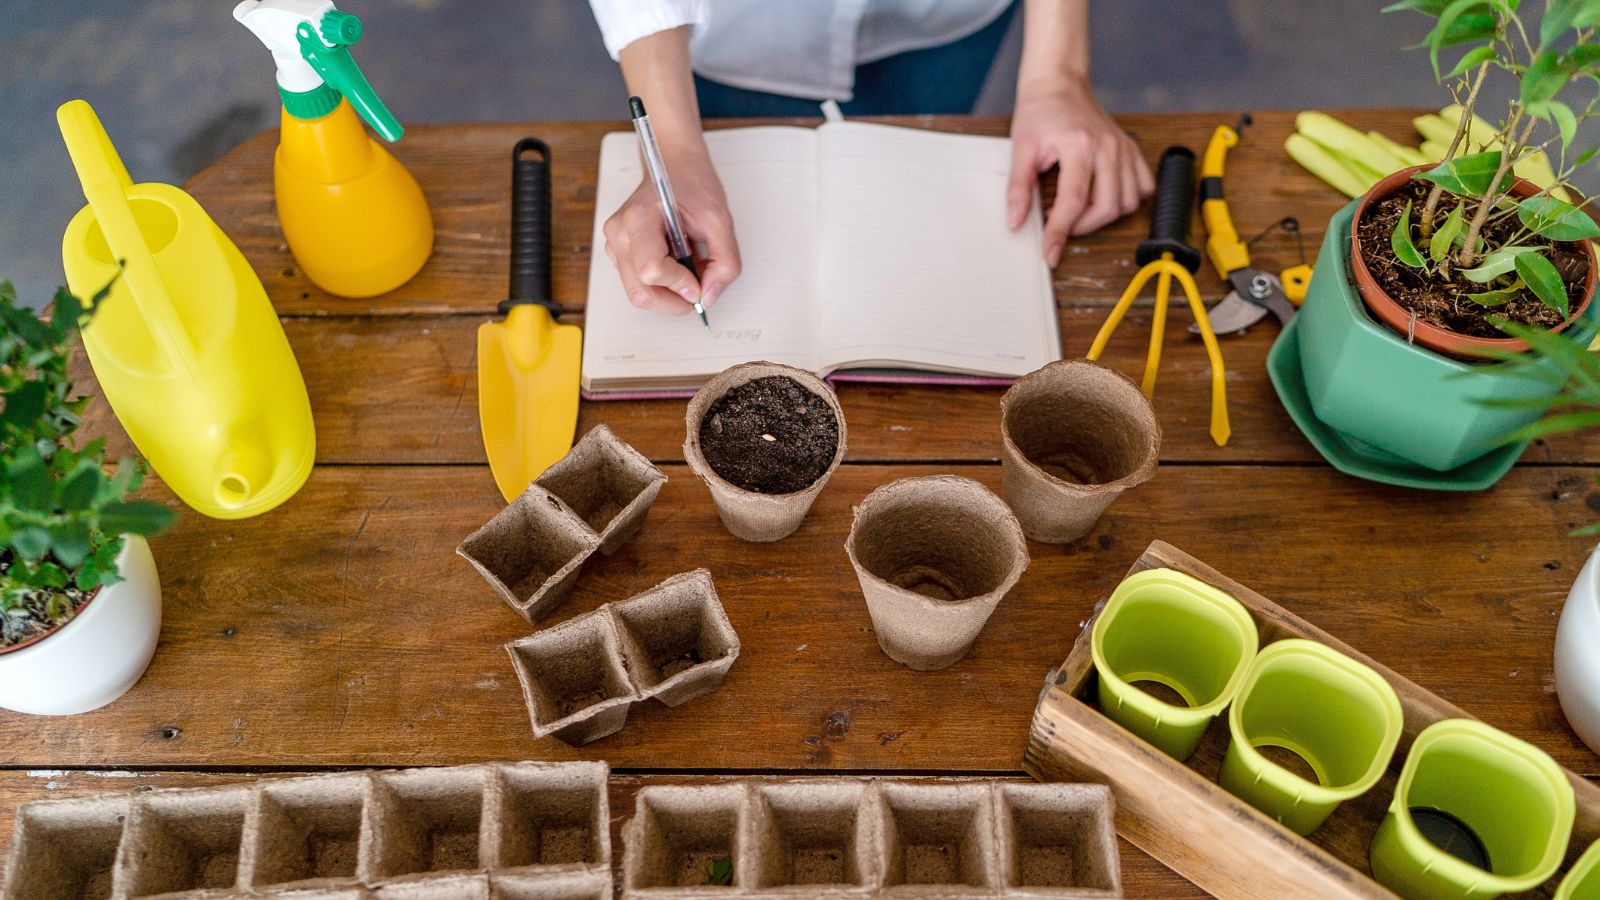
339 71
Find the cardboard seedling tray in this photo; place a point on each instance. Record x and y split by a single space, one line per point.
672 643
1176 811
591 500
417 834
822 838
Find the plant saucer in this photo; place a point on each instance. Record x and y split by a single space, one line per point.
1354 457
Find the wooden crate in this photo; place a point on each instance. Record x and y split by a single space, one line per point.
1176 811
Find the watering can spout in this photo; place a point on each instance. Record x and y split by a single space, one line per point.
241 472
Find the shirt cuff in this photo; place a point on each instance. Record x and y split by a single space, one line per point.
624 21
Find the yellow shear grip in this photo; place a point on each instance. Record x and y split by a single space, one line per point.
1223 246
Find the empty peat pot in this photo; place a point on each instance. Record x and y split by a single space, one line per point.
1338 716
1074 436
1176 631
1509 800
934 555
748 511
1582 881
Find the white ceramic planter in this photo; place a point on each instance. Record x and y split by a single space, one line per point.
1578 655
100 654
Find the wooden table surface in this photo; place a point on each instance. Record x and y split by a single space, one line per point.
340 630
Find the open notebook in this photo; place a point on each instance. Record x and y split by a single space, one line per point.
867 249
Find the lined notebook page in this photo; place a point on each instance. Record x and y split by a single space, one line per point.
769 313
917 265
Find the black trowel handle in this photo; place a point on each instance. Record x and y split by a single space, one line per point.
1174 205
530 226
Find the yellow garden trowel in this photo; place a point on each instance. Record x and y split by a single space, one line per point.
528 364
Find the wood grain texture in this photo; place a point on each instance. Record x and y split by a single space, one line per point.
404 390
464 171
1142 876
1177 811
340 629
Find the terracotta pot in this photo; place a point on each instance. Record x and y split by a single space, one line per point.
1398 318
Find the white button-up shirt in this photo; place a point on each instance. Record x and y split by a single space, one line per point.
800 48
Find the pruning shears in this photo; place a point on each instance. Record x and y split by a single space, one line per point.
1254 293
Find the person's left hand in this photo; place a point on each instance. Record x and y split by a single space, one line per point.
1103 175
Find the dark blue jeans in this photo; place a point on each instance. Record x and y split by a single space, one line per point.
945 79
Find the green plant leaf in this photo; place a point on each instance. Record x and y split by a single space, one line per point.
79 489
1581 56
30 543
1444 237
135 517
1558 16
69 543
1500 297
1496 264
1400 241
719 871
24 405
1556 219
1560 423
1472 59
1459 22
1467 176
1543 79
1566 121
1588 14
1544 280
1426 7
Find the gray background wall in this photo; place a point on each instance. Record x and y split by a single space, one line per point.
178 82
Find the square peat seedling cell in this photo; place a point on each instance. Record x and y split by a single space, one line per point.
531 551
436 887
305 829
686 837
676 638
607 483
1059 836
551 815
938 834
183 840
573 679
812 834
65 849
569 886
424 821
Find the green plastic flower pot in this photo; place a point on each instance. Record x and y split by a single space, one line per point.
1367 383
1583 880
1336 714
1165 627
1510 795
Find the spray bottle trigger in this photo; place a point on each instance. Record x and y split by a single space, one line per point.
339 70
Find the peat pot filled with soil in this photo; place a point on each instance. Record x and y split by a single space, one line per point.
764 438
1434 309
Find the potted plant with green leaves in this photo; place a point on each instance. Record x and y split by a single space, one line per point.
1401 340
80 603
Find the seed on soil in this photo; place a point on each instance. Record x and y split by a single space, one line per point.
770 435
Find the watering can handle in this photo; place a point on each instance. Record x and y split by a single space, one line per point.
530 227
105 186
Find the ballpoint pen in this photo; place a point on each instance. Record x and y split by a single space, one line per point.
676 244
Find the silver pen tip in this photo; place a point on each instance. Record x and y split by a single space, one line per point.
700 310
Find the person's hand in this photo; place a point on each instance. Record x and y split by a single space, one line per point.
636 240
1103 175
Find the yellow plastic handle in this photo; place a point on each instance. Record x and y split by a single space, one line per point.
1296 281
1223 246
105 186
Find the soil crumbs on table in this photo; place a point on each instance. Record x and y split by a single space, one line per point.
770 435
1444 302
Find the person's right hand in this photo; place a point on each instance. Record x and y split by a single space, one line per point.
636 240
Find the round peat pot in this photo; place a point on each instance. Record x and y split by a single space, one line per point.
1401 400
1074 436
1583 879
1577 663
935 555
99 653
1166 627
1398 318
1508 794
747 514
1340 717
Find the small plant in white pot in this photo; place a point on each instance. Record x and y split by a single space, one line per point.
80 603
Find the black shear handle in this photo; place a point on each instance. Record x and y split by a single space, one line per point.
1174 206
530 227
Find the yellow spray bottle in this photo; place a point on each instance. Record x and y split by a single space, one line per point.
186 346
353 217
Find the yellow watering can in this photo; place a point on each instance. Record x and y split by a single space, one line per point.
187 348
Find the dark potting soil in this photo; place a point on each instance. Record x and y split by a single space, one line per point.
1442 302
770 435
38 615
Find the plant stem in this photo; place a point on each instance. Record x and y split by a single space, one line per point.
1486 203
1430 208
